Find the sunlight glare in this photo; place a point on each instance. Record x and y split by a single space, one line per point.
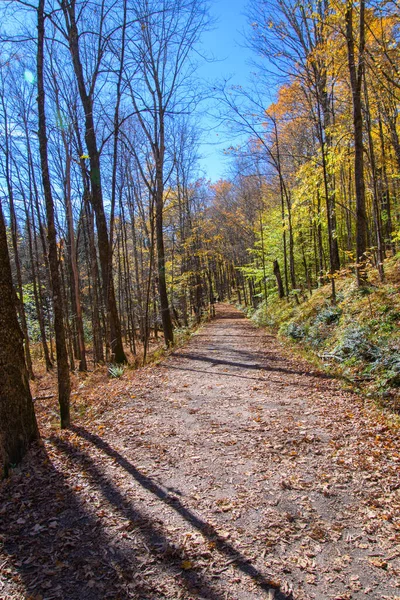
29 76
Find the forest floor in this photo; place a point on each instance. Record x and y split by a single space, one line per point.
229 471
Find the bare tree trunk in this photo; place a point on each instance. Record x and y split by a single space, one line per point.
356 78
64 385
74 261
98 353
277 273
162 282
38 306
282 195
69 333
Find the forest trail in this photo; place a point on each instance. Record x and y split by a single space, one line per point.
230 471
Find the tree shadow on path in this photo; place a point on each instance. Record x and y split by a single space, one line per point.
53 546
246 366
164 553
236 558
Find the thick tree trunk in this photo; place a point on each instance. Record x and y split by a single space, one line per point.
21 307
14 234
18 426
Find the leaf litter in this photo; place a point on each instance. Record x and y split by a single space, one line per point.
241 473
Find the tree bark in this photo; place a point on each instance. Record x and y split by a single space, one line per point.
98 352
96 197
277 273
18 426
356 78
162 282
64 384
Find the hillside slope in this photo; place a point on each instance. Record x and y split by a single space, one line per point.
358 338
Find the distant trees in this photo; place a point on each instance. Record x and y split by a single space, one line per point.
160 47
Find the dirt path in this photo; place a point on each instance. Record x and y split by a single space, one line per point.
228 472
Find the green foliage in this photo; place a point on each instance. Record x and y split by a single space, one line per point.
30 312
329 315
115 370
320 328
391 367
247 310
356 343
360 335
260 316
293 330
87 330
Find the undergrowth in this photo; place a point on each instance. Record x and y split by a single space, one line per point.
358 338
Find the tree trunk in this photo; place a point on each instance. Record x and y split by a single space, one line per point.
18 426
14 235
278 276
162 283
64 385
356 78
375 204
385 193
98 352
73 259
96 197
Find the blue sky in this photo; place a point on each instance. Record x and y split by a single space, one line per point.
225 43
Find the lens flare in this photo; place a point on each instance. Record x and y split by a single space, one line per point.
62 120
29 76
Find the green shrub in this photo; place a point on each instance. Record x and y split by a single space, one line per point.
262 316
355 343
390 367
317 334
328 315
293 330
321 327
115 371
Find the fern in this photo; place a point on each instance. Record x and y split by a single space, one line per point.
115 371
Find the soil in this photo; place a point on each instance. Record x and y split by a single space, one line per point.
230 471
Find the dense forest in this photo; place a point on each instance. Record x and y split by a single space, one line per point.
110 240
